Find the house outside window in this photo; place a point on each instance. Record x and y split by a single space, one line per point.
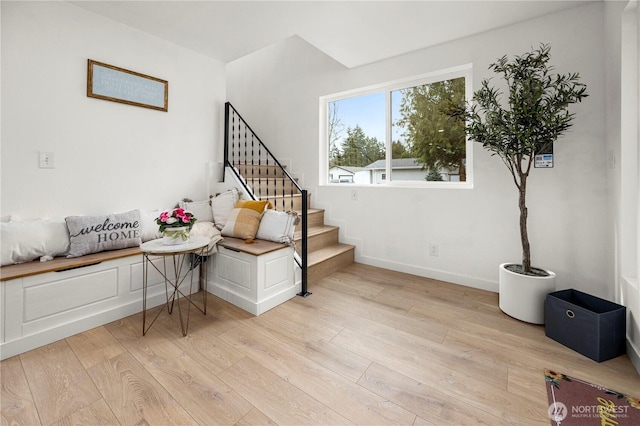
399 130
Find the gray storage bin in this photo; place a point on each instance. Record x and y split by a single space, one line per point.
590 325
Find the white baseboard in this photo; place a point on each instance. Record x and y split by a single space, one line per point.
252 306
634 355
435 274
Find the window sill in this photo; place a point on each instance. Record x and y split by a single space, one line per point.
404 184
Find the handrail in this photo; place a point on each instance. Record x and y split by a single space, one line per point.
246 156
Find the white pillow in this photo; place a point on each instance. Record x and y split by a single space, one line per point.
24 241
149 229
200 209
222 205
277 226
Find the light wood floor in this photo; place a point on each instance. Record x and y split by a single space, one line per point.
368 347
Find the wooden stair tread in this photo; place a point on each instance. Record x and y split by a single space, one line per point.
244 163
315 230
272 178
320 255
310 212
265 197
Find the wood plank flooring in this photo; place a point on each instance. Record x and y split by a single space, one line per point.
368 347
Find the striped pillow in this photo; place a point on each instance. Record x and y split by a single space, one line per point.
242 223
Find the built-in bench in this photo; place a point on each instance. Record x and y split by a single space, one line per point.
255 277
42 302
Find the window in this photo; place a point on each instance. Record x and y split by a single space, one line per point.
398 133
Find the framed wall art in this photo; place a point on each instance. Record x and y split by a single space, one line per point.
128 87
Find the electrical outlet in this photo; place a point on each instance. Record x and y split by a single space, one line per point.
354 195
46 160
434 250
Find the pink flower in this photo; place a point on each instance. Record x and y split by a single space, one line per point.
175 218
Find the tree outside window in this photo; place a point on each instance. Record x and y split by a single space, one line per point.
432 137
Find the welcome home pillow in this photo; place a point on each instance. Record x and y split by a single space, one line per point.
93 234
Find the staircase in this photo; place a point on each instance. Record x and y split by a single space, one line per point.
264 178
325 253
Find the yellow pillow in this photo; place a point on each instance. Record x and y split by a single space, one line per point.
242 223
257 205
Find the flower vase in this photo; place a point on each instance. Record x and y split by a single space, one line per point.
175 236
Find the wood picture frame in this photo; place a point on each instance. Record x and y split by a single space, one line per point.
116 84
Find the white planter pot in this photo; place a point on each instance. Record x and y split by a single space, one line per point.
175 236
522 296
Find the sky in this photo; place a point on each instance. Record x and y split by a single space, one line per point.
368 111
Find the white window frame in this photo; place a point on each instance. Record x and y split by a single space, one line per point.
465 71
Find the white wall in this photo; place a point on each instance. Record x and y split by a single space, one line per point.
109 157
623 131
277 91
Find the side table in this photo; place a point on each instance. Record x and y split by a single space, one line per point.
174 276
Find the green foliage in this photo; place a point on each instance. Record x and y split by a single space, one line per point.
437 139
358 149
536 113
398 150
434 176
533 116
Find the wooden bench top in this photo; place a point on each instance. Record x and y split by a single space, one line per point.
257 248
35 267
21 270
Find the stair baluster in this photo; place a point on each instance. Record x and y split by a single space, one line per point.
244 168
